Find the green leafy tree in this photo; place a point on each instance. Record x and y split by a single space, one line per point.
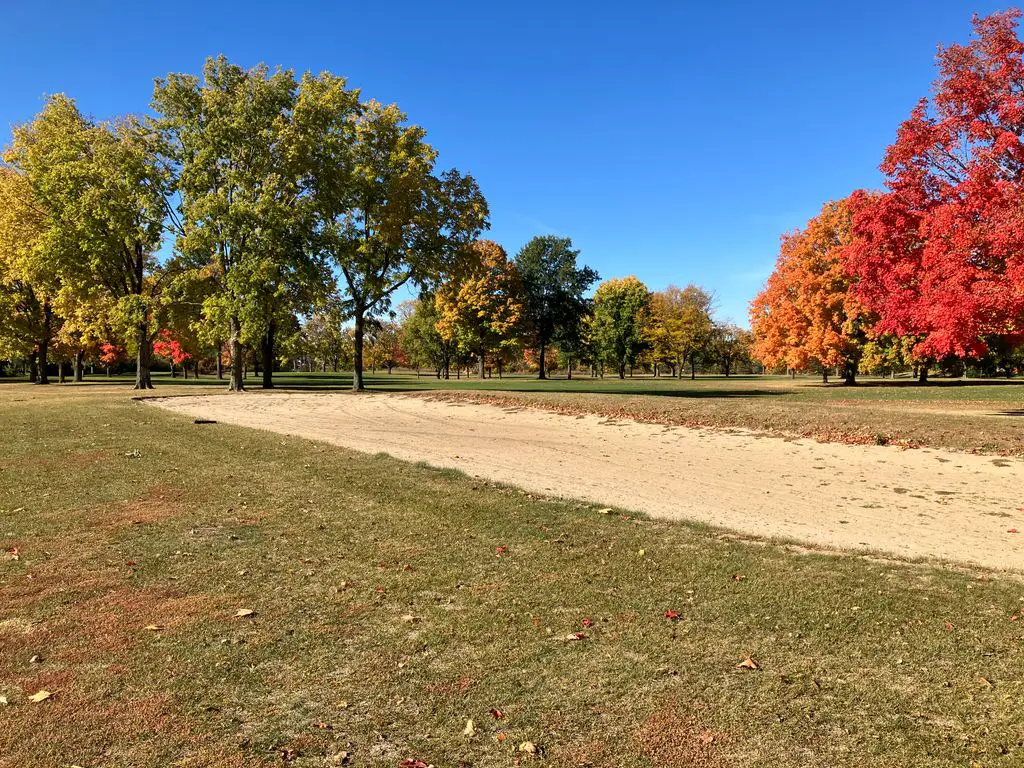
424 344
387 220
682 325
246 147
622 316
553 290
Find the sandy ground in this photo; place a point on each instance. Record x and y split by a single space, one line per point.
910 503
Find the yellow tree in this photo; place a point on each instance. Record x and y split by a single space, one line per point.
480 306
682 326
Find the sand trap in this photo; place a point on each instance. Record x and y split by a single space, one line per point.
910 503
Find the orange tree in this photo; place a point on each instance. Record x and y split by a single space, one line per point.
807 313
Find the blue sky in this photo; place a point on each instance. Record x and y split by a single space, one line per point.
673 141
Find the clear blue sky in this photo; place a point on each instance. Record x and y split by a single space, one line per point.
671 140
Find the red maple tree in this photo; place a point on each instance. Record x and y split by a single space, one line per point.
940 255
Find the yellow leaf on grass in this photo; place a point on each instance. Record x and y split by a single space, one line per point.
470 729
748 663
244 613
39 696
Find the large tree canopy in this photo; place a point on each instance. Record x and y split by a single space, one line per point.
553 289
940 255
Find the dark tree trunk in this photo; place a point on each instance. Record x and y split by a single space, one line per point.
481 363
144 358
267 347
499 367
44 345
922 376
33 366
79 365
61 378
568 373
622 370
236 382
220 363
850 374
357 349
174 371
824 375
543 373
693 367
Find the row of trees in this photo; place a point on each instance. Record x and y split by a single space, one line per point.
277 195
928 272
502 313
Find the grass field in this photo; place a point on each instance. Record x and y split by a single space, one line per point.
394 603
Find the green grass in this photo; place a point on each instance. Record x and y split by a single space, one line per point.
125 516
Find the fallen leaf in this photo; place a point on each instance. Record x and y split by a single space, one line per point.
748 663
642 552
587 623
470 729
985 682
528 747
1011 530
575 636
605 511
672 615
3 701
738 577
502 736
502 550
410 619
39 696
245 613
154 627
36 660
496 714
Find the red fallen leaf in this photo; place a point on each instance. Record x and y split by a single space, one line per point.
535 622
587 623
380 589
748 663
738 577
497 714
129 563
1011 530
672 615
407 567
949 627
14 553
411 763
1015 617
502 550
502 736
382 565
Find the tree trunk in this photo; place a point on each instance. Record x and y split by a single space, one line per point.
174 371
499 367
357 352
693 367
44 344
824 375
220 363
922 376
33 367
622 370
568 374
236 382
267 347
850 374
543 373
143 357
79 365
60 371
481 362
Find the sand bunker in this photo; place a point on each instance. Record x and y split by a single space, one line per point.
911 503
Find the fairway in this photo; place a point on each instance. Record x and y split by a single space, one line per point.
909 503
393 603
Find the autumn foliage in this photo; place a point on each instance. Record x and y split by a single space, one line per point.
807 315
939 255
